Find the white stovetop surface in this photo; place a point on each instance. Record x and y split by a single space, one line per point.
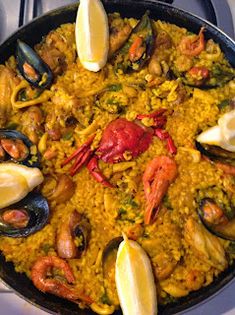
232 8
222 303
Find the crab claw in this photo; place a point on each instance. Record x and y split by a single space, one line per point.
93 168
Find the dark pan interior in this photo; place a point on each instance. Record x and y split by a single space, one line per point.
32 34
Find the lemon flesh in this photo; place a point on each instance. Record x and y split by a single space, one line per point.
227 126
16 181
134 280
223 134
92 34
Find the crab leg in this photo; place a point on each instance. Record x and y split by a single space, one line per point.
81 160
93 168
164 135
78 151
153 115
158 117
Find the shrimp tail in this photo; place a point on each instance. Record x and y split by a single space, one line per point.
158 190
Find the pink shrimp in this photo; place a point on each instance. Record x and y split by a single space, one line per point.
39 277
158 175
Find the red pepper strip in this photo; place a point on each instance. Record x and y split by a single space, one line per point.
81 159
161 134
93 168
152 115
80 149
170 145
134 47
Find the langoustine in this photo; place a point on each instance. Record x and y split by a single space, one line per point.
159 174
39 273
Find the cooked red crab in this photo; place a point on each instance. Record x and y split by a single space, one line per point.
121 136
120 139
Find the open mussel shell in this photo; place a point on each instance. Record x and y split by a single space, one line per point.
110 252
216 154
32 67
31 158
144 30
35 207
216 219
73 235
219 76
83 230
109 257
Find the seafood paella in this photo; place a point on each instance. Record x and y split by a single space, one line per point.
140 149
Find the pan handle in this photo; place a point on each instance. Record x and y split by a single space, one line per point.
165 1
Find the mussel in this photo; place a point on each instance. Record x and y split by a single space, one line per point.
17 147
138 48
218 219
110 250
216 154
73 235
25 217
108 260
32 67
217 76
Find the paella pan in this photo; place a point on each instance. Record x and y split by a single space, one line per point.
99 140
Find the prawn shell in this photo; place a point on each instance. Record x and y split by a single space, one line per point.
25 54
37 209
32 159
225 231
145 24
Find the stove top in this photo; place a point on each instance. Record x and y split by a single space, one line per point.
15 13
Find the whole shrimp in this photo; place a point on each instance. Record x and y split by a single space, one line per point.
45 284
158 175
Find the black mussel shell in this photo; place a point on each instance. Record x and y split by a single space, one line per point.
220 222
111 250
83 230
145 30
73 226
41 74
32 159
109 256
219 76
216 154
36 206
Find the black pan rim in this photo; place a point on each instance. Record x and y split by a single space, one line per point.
52 303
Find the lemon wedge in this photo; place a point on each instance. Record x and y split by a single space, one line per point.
223 134
92 34
134 280
16 181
